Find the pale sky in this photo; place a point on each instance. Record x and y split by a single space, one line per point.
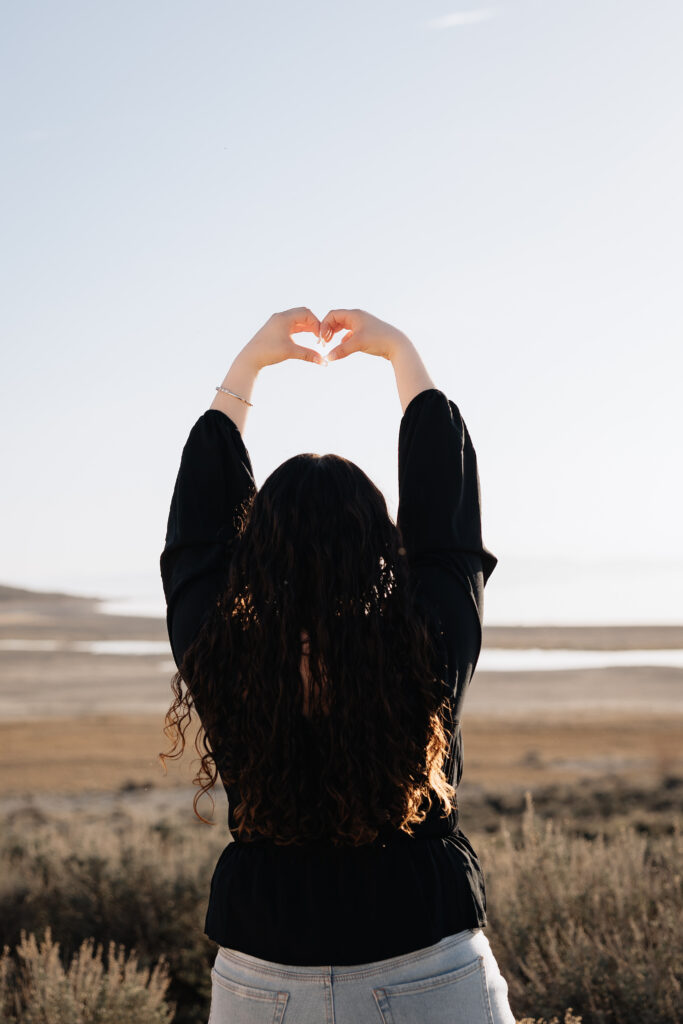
500 182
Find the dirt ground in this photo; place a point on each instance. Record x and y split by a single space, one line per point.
114 752
75 722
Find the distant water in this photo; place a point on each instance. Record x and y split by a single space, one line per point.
536 660
490 660
144 607
89 646
521 591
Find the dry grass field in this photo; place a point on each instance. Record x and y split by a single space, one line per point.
72 755
572 794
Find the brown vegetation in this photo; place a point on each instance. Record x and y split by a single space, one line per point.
587 923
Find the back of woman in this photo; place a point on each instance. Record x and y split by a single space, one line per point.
327 652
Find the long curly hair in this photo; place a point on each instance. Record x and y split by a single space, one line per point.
316 676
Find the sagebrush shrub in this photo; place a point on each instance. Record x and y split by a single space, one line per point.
594 925
586 923
40 990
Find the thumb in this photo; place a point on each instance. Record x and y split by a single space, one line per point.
309 355
346 346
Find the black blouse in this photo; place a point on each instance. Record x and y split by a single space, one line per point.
319 904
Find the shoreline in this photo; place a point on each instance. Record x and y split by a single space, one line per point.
77 720
31 614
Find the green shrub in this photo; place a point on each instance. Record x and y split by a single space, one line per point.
39 990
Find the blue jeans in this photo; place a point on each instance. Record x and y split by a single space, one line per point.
455 981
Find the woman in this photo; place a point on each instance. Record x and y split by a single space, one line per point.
327 652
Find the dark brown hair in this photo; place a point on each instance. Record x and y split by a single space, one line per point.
316 551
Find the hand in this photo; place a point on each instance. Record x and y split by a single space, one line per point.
366 333
273 343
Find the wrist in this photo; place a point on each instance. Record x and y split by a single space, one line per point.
240 381
398 343
248 360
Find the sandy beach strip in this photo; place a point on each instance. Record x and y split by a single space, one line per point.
40 684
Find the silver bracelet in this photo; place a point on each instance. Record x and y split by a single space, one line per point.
225 390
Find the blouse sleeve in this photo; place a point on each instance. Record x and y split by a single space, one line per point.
214 482
439 518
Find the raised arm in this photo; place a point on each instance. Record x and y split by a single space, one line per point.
439 516
439 513
215 482
367 333
439 496
409 371
240 380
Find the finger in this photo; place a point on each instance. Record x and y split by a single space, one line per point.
307 354
337 320
311 324
302 319
349 343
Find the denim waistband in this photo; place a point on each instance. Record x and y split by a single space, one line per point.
350 971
